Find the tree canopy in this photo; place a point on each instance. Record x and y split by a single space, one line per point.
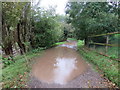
28 27
90 18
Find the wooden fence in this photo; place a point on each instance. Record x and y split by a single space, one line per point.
107 40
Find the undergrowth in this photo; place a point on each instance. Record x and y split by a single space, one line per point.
108 66
15 75
59 43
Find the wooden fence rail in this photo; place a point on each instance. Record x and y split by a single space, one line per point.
105 34
104 44
107 40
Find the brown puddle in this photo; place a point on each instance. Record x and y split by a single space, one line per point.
59 65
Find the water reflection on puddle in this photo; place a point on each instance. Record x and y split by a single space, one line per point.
59 65
64 67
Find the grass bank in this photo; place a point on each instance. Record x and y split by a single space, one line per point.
15 75
72 39
106 65
59 43
112 52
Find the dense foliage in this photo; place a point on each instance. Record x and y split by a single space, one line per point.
92 18
47 30
26 27
15 26
109 67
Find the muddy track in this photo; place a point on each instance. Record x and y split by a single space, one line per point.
63 67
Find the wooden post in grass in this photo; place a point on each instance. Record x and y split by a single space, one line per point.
107 41
88 42
94 46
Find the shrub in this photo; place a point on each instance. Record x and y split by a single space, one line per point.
7 60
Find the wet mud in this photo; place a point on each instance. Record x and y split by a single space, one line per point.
63 67
59 65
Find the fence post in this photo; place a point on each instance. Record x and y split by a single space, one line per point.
107 41
88 42
94 46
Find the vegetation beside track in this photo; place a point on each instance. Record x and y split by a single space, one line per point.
106 65
16 74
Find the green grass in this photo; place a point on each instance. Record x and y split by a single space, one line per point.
109 67
74 39
16 74
59 43
80 43
111 52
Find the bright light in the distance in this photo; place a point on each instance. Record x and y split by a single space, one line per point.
60 5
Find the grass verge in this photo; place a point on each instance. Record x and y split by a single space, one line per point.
72 39
16 74
111 52
108 66
59 43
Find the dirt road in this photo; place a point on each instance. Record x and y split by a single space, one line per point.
63 67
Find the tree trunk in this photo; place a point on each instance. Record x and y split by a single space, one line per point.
31 42
8 50
7 44
21 45
86 42
31 33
